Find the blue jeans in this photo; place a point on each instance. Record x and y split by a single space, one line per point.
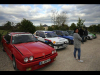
79 52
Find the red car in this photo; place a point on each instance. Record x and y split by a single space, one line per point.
26 52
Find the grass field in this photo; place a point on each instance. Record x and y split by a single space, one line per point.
3 31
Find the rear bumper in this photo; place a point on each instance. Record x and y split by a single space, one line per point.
34 65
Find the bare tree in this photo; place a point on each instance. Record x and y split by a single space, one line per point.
59 18
53 17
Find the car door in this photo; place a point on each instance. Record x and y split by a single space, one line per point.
7 44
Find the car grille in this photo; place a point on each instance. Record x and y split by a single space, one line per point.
48 55
43 57
39 58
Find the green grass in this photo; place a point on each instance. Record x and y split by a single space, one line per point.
4 32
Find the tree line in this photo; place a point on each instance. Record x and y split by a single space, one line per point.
27 26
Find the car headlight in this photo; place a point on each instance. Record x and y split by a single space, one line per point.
31 58
54 42
26 59
54 51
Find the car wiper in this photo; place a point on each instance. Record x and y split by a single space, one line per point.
30 41
18 42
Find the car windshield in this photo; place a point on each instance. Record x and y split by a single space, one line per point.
22 38
51 34
65 33
70 32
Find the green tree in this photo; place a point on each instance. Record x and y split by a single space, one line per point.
27 26
73 26
80 23
64 27
50 28
7 26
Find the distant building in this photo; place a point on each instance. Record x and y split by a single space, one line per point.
45 27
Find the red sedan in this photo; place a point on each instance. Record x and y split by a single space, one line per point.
26 52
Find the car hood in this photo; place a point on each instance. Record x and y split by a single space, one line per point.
69 37
57 39
33 48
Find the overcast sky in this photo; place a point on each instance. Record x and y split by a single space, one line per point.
41 13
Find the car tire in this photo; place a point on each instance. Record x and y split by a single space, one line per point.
14 64
3 48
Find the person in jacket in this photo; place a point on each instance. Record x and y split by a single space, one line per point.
77 44
86 32
81 33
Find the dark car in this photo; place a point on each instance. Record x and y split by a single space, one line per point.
64 34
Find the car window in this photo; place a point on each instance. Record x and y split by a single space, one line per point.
7 38
51 34
65 33
59 33
37 33
22 38
42 34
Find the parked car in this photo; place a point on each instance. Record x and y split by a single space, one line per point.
64 34
90 37
94 35
51 38
26 52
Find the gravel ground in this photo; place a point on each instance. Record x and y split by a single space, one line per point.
90 54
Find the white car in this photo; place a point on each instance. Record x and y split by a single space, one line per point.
90 37
52 39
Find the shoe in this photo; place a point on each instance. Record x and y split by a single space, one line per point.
75 58
80 61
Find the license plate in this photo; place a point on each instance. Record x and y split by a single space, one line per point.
44 62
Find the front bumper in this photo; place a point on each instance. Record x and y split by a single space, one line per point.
71 41
60 46
35 64
90 38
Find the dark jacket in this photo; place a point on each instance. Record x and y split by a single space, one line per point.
81 32
85 32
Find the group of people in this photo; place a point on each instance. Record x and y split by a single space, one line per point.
78 38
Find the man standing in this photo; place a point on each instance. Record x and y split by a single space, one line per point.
85 32
81 33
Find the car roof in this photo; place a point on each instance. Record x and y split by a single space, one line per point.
12 33
44 31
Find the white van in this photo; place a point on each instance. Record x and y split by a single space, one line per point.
52 39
